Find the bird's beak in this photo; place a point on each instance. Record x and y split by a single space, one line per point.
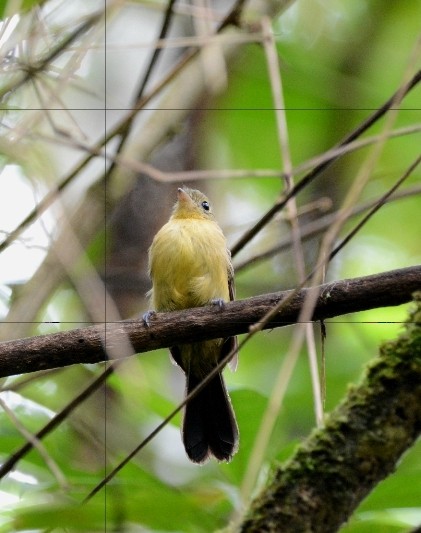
183 197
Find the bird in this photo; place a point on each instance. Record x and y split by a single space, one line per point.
190 266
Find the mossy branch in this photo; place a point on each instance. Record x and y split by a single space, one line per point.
360 444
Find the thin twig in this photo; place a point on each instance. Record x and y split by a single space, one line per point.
275 399
119 128
316 227
31 70
376 207
313 174
57 419
124 135
33 441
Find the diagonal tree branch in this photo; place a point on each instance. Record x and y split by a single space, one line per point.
363 439
322 166
87 345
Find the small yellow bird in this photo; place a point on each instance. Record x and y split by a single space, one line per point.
190 266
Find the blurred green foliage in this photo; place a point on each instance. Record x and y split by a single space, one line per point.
339 60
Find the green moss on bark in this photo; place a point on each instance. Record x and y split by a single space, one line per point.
360 444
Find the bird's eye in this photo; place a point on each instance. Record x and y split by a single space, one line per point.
205 206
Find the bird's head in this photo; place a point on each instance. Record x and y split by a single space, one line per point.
192 203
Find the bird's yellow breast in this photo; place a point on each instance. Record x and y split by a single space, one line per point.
189 264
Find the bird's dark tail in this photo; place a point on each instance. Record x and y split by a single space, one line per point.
209 426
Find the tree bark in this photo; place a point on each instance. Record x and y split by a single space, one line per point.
361 442
111 341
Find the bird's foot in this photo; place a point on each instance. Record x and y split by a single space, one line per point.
219 302
147 318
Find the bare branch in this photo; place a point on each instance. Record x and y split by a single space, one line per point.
90 345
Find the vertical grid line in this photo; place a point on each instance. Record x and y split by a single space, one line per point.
105 257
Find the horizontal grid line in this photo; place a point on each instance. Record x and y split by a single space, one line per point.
212 109
129 321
